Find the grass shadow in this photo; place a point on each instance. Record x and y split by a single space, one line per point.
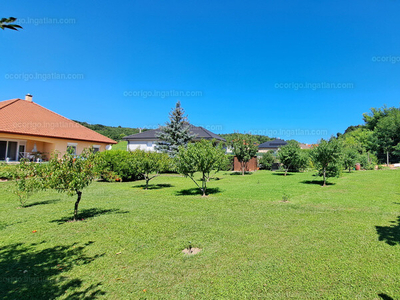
240 173
85 214
31 272
318 182
282 174
196 191
385 297
42 203
390 234
153 186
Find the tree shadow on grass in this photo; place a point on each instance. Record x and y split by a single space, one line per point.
281 174
385 297
85 214
31 272
390 234
318 182
240 173
42 203
196 191
153 186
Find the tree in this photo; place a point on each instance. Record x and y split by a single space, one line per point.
150 164
289 155
5 23
266 160
387 133
327 158
244 147
204 157
71 174
371 119
175 133
350 157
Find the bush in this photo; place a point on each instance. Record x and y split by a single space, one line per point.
266 160
118 165
368 164
7 171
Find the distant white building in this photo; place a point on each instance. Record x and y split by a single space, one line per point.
147 140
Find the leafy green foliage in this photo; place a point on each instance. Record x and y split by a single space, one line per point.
117 165
175 133
203 157
266 160
350 157
327 158
244 147
70 174
7 171
6 23
150 164
290 156
28 178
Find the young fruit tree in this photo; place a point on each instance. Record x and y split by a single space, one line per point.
244 147
70 174
350 157
289 155
327 157
203 157
150 164
175 133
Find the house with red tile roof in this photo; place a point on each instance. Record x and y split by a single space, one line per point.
28 130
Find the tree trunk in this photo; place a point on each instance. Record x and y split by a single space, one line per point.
243 167
349 170
324 177
147 183
204 186
387 158
286 171
79 193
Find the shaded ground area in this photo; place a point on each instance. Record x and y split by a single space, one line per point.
90 213
42 202
196 191
390 234
29 273
153 186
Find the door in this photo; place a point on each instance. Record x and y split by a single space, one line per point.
12 150
3 149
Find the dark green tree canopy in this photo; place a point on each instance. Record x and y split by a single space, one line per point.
175 133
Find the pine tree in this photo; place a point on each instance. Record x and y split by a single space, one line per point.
175 133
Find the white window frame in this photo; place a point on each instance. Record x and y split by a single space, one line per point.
73 145
19 142
96 147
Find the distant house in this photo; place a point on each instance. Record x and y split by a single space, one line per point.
147 140
271 145
28 130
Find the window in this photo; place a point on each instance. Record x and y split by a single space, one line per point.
8 149
72 146
3 149
96 148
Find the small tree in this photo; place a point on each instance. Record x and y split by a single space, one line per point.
150 164
28 178
350 157
71 174
327 158
244 148
201 157
175 133
266 160
5 23
289 155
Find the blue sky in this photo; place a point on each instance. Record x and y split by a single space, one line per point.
293 69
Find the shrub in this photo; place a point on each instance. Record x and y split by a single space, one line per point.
118 165
266 160
6 171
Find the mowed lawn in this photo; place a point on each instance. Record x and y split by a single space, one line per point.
341 241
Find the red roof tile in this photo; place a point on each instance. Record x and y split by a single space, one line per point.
25 117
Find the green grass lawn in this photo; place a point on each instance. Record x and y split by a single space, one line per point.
336 242
122 145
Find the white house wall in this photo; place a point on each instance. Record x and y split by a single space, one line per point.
142 145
